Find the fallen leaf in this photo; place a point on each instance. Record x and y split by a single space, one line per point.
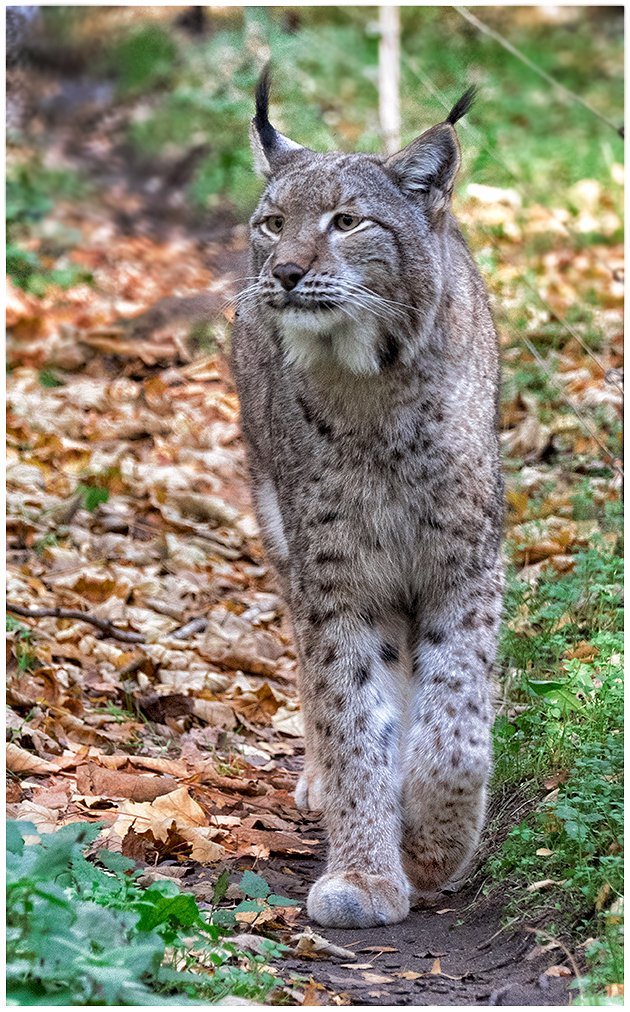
602 896
538 950
376 978
214 713
409 975
277 843
584 651
614 990
45 819
288 721
176 809
544 852
308 942
544 884
558 971
21 761
92 779
558 778
437 970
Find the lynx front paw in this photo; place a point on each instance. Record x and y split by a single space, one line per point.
308 793
354 899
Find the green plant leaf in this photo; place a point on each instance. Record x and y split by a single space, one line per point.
221 886
253 885
92 496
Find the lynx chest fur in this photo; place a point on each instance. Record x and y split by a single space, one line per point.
366 365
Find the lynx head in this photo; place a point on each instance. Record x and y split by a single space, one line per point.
351 252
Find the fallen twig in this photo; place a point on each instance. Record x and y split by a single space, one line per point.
106 627
551 938
194 626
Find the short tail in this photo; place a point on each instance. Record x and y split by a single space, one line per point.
462 106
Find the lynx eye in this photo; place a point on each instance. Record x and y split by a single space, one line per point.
274 223
346 222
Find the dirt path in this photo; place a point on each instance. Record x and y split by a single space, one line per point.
454 954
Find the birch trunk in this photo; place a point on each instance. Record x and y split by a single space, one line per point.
389 77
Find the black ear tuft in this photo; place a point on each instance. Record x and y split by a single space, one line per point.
462 106
265 130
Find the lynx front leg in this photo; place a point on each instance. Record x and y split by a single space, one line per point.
448 757
350 697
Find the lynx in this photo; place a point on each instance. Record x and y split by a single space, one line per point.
366 364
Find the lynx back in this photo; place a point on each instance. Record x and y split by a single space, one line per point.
366 365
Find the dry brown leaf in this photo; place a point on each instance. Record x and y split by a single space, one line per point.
544 884
436 969
171 767
158 816
584 651
377 978
260 916
92 779
558 778
558 971
21 761
51 797
44 818
214 713
602 896
289 720
409 975
204 850
277 843
614 990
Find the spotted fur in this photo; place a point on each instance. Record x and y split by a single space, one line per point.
367 369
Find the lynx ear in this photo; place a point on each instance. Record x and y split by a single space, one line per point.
268 146
427 167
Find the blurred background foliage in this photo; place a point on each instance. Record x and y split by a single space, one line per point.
187 77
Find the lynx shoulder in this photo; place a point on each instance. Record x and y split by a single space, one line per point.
366 364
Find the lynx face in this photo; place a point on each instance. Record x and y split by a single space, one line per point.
348 250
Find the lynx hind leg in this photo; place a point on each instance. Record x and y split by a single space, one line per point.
449 756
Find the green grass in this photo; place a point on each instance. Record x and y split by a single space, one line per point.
31 191
568 722
81 935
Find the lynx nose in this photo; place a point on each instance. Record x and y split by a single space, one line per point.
288 275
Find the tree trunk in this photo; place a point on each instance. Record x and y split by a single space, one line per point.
389 77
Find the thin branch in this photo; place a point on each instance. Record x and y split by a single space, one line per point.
194 626
545 934
106 627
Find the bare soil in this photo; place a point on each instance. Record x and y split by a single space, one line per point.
480 962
